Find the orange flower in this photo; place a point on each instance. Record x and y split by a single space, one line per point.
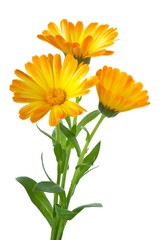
118 92
49 85
82 43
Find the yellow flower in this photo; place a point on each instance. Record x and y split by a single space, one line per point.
118 92
82 43
49 85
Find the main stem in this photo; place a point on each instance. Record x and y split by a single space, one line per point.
59 225
80 160
56 221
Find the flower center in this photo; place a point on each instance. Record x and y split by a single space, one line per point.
56 96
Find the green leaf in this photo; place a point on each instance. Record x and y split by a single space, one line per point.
68 215
54 140
74 129
92 156
60 154
64 213
49 187
71 137
44 168
79 209
45 133
39 199
68 120
91 169
88 134
88 161
88 118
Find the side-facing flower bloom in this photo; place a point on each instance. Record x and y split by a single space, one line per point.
118 92
49 85
81 42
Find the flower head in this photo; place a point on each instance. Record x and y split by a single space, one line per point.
81 42
49 85
118 92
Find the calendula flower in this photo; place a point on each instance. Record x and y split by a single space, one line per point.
82 43
49 85
118 92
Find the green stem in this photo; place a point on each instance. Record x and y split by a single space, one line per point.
65 168
55 194
58 173
58 134
56 221
61 227
68 154
80 160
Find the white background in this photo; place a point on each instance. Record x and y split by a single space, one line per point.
127 181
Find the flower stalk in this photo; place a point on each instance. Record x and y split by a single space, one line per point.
80 161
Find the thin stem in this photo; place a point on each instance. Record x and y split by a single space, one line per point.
78 99
80 160
61 227
68 153
55 229
55 220
58 173
56 194
65 168
58 134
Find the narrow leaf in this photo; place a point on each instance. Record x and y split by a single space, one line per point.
54 140
58 151
68 120
49 187
68 215
88 162
64 213
79 209
45 133
74 129
88 118
39 199
60 154
88 134
44 168
92 156
71 137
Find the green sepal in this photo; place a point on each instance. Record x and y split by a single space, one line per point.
71 137
88 118
39 199
78 99
84 60
106 111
